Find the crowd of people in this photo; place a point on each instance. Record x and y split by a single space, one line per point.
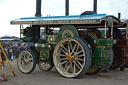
9 52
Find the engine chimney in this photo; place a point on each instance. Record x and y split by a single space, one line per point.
36 28
66 7
38 8
95 6
119 15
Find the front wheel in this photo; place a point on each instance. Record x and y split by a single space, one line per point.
45 64
26 62
72 57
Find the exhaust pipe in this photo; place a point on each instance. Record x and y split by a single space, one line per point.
37 14
95 6
67 7
38 8
119 15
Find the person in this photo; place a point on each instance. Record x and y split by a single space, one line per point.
11 51
10 54
2 53
6 50
22 47
3 56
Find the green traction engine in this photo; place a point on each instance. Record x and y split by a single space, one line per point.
73 45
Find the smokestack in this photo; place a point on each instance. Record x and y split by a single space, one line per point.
36 28
38 8
67 7
119 15
95 6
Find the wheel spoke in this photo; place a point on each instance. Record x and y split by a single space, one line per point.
74 48
77 65
71 67
80 55
77 48
45 65
79 52
63 59
63 62
68 48
80 59
28 66
28 60
29 57
64 48
62 55
24 67
70 44
64 52
23 56
66 65
68 68
23 61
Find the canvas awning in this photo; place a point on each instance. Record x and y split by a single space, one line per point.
61 20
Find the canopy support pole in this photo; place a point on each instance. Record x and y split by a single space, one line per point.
105 29
127 31
112 30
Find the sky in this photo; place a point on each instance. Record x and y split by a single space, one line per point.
15 9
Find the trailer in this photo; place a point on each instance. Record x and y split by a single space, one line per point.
72 44
120 47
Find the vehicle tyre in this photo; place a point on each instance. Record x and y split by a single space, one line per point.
26 62
111 58
72 57
45 65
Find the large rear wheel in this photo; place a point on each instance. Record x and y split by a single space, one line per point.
72 57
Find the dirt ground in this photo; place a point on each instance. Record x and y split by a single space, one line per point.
38 77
